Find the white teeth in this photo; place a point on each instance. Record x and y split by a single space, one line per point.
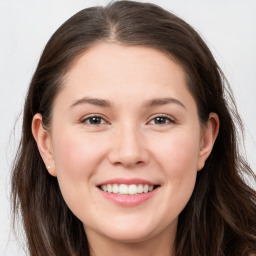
133 189
109 188
140 189
145 189
124 189
115 189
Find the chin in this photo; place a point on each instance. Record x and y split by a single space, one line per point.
130 230
129 236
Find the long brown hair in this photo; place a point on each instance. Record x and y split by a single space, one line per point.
219 219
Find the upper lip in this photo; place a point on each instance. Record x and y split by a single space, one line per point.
130 181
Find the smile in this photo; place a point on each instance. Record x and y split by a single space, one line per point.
124 189
128 192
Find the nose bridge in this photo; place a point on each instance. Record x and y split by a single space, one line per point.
129 147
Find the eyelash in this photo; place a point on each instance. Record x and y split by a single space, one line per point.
89 120
166 118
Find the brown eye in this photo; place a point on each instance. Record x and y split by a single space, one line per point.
161 120
94 120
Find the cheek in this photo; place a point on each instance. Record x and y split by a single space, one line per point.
179 152
77 157
178 157
76 154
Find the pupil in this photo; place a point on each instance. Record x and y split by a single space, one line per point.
160 120
95 120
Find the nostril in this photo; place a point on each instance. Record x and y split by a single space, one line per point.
128 163
132 163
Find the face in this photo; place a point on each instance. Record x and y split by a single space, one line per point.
125 142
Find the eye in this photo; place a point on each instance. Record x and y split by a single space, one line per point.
161 120
94 120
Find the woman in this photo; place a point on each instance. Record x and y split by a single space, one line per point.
128 144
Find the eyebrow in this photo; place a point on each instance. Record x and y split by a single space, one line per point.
93 101
105 103
164 101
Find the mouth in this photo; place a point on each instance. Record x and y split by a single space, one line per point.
128 192
128 189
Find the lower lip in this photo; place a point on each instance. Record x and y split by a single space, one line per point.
128 200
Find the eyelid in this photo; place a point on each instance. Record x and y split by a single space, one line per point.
170 118
83 119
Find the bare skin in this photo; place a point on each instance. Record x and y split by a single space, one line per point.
126 113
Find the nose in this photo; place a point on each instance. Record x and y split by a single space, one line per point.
128 148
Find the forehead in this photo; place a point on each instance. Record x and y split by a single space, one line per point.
118 72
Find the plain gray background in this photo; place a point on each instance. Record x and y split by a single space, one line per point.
228 27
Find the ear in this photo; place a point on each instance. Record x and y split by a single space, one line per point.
44 143
208 136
